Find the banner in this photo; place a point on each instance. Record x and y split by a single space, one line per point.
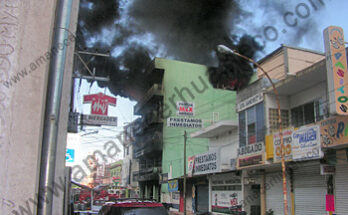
306 143
184 123
185 108
226 199
287 148
206 163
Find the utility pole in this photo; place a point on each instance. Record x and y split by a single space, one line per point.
185 137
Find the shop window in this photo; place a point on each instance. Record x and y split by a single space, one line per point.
307 113
251 125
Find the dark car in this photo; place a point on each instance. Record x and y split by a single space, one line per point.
133 207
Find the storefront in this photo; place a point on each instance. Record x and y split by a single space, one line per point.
274 192
250 158
341 184
306 186
334 137
310 189
226 193
199 166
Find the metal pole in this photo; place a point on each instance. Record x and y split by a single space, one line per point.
185 136
53 101
280 126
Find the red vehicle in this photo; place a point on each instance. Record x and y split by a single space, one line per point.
133 207
84 195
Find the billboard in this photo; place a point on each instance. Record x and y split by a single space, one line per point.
336 64
306 143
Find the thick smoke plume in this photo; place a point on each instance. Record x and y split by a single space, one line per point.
136 31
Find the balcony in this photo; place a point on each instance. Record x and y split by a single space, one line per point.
155 92
150 172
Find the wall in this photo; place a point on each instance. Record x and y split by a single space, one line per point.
309 95
25 35
179 76
274 66
228 146
299 59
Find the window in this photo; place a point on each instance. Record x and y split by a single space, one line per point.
251 125
273 119
307 113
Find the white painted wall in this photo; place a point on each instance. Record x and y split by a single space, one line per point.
22 105
308 95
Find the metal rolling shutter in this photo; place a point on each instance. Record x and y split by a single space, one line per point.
274 193
202 198
310 190
341 189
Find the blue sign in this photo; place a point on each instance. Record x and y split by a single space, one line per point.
173 186
70 155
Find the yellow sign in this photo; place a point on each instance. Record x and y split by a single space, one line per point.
287 146
336 63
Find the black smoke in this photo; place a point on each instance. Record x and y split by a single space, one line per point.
136 31
234 72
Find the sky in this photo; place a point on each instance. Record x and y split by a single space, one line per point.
260 19
93 138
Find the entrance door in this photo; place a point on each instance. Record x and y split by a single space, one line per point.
202 198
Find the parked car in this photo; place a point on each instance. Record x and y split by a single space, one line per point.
133 207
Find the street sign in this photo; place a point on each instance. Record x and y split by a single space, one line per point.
70 155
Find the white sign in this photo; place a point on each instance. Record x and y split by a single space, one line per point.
326 169
250 102
287 147
184 123
99 120
185 108
306 143
226 199
206 163
250 149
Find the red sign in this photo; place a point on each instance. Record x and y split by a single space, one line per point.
330 202
100 103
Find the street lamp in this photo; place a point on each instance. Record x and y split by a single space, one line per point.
225 49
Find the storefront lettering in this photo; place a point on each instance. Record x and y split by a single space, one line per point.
250 149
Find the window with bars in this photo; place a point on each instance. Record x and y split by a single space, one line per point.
273 119
251 125
307 113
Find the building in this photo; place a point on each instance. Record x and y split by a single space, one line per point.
23 127
313 138
130 168
115 170
180 98
225 188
